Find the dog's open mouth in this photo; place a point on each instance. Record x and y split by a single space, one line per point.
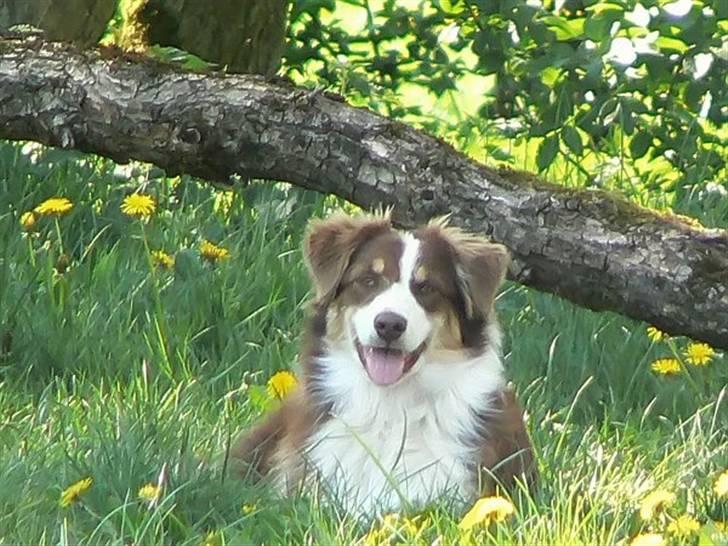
386 366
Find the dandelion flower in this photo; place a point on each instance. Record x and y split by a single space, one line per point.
648 539
654 334
684 526
486 510
377 536
412 527
149 492
699 354
27 221
281 384
393 525
138 204
212 539
54 206
74 491
721 484
655 502
213 253
161 259
666 366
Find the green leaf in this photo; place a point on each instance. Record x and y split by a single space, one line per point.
565 29
665 43
547 152
259 397
550 75
640 143
572 139
705 538
603 14
452 6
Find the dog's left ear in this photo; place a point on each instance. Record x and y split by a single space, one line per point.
329 245
481 266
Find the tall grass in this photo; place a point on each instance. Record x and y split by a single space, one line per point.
131 374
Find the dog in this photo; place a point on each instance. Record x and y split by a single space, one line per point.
402 399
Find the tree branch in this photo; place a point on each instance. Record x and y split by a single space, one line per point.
592 248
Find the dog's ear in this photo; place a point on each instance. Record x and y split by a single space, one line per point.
329 245
480 265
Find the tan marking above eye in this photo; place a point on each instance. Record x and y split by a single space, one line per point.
378 265
421 274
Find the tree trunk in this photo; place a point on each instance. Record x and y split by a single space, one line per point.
597 250
242 35
80 21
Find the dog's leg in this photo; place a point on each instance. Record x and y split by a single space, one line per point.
252 454
507 454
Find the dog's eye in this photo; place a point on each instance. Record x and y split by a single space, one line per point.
368 281
424 288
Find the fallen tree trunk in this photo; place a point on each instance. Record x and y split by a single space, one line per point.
592 248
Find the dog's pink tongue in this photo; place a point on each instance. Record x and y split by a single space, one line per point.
384 367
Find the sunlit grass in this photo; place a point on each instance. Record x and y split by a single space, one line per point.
136 373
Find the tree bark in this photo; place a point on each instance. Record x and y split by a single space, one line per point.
593 248
80 21
243 35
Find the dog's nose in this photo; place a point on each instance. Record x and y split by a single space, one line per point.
390 326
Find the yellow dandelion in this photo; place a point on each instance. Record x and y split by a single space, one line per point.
486 510
212 539
138 204
213 253
27 221
161 259
249 508
655 502
281 384
381 535
666 366
684 526
648 539
377 536
721 484
54 206
699 354
74 491
391 520
412 527
149 492
654 334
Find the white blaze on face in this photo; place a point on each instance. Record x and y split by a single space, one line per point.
397 298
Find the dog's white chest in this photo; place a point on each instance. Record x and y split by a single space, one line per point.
384 463
385 448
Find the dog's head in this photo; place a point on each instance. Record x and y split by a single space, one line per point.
397 299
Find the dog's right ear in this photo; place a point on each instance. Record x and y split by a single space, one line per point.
329 245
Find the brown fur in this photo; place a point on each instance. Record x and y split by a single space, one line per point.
505 448
350 260
483 264
330 243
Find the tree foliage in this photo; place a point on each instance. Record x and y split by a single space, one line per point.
643 82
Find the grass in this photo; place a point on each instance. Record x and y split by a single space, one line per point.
130 374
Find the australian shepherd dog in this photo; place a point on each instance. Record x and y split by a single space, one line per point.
403 399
